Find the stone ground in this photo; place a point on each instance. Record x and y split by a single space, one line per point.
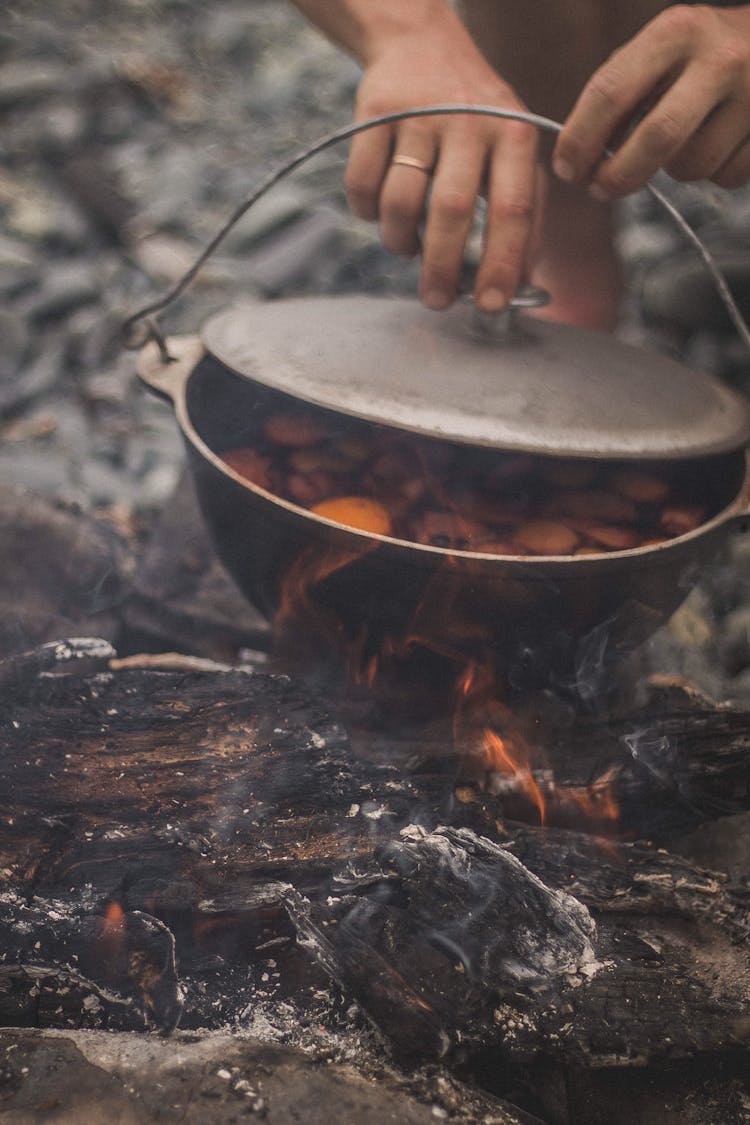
129 130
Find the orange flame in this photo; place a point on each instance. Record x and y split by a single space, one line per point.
113 922
489 739
500 760
597 801
111 939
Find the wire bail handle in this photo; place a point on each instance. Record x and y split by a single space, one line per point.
147 314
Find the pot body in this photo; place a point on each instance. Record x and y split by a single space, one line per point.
544 611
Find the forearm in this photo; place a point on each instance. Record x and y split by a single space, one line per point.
364 28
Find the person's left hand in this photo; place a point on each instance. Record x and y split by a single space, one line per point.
676 96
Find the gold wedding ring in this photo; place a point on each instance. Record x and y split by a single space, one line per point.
412 162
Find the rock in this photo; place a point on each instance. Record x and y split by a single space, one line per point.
165 258
15 343
96 189
41 217
45 549
33 379
679 290
283 205
289 259
212 1080
19 267
23 81
66 286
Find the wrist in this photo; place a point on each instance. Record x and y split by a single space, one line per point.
367 30
386 24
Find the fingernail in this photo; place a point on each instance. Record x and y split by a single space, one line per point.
491 300
564 170
599 194
436 299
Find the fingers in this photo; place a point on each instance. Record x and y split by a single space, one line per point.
608 100
659 138
691 67
404 190
712 148
369 158
463 156
511 195
456 186
736 171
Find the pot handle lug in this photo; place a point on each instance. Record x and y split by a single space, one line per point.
167 378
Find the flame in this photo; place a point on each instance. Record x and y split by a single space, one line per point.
597 801
488 736
113 922
111 941
311 567
500 760
306 631
489 739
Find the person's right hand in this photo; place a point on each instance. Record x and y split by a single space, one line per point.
467 155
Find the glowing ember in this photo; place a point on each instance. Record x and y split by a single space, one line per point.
113 923
492 743
111 941
500 760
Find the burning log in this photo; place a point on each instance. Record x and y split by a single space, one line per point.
233 812
467 950
676 761
463 920
66 968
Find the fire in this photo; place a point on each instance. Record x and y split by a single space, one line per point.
443 654
500 760
112 939
598 801
489 739
305 629
113 922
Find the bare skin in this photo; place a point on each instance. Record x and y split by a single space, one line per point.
690 65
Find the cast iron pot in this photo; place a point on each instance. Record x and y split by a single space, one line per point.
507 383
546 610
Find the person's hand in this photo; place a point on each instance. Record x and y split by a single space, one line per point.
676 96
463 157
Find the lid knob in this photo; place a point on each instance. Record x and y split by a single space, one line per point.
502 326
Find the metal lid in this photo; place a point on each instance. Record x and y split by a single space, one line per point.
536 386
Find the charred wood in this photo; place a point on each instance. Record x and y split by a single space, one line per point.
66 967
232 809
475 947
